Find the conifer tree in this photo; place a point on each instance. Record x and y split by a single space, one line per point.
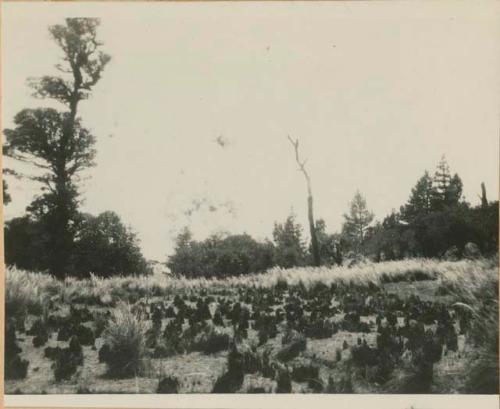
421 199
356 223
447 189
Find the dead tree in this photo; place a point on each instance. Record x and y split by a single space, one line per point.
484 199
310 213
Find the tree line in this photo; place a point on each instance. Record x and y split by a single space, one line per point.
435 222
56 236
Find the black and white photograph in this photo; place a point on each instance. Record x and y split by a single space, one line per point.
251 198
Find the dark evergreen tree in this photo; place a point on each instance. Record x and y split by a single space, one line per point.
356 223
420 201
290 250
446 189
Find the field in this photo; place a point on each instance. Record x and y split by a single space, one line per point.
412 326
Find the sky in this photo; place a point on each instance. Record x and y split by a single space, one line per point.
192 114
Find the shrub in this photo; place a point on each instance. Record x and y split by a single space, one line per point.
124 336
479 294
52 352
15 367
330 387
217 319
174 342
66 365
294 344
211 340
85 335
256 389
352 323
104 354
320 328
232 380
305 372
67 360
40 339
283 382
228 382
168 384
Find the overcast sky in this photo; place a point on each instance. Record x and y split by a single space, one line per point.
191 116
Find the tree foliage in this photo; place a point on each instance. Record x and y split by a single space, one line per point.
421 199
435 219
103 246
26 244
329 245
106 247
219 256
290 249
446 189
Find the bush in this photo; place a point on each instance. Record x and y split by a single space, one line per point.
228 382
294 344
283 382
168 384
125 339
320 328
211 340
67 360
15 367
305 372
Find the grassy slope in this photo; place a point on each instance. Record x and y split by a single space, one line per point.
28 293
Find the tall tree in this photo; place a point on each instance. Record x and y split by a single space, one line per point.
447 189
420 201
442 177
289 247
356 223
55 141
310 212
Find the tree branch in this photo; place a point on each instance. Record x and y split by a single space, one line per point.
302 164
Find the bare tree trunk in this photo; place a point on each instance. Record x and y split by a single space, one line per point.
484 199
310 212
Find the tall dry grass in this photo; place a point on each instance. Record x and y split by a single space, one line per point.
124 337
477 292
25 293
22 285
